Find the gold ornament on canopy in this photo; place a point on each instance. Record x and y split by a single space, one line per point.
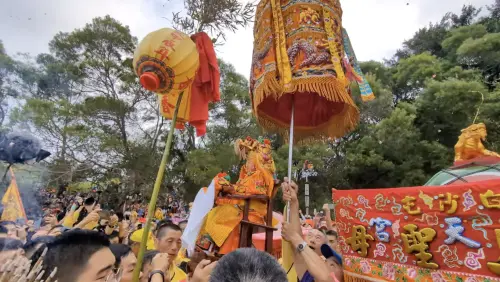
166 60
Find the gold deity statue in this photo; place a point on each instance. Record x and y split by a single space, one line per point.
470 145
220 230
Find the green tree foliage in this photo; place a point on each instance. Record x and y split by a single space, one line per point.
213 17
84 100
6 87
385 159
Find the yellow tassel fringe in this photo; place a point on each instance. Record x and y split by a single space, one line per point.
331 88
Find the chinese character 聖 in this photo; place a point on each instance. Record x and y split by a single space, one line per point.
495 266
417 241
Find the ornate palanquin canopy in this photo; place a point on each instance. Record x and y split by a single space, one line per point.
299 65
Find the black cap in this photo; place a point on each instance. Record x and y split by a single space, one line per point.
328 252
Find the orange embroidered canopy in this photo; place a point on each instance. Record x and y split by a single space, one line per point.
302 63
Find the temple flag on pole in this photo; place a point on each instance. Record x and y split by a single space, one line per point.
13 208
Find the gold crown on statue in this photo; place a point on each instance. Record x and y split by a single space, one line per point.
261 146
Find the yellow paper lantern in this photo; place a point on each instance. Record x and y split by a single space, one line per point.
166 60
167 106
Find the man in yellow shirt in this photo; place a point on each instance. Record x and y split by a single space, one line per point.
76 216
168 240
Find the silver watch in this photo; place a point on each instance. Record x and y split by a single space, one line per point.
301 247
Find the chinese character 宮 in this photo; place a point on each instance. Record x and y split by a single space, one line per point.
359 240
408 204
380 225
490 200
448 200
455 230
417 242
495 266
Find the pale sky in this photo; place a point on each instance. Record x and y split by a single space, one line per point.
376 27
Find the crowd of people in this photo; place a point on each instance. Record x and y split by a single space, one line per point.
77 240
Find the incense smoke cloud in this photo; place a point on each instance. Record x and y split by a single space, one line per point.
20 147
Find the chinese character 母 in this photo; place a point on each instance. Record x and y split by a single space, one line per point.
359 240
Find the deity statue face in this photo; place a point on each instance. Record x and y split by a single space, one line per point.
250 166
483 134
477 130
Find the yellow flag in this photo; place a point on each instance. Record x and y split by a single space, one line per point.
13 208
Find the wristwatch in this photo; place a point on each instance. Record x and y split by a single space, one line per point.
156 272
301 247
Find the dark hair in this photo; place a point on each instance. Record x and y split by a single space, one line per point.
164 226
130 242
248 265
7 222
113 234
89 201
38 240
119 251
148 257
119 215
3 229
34 248
10 244
71 251
332 233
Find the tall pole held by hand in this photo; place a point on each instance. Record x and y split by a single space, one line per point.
156 191
290 157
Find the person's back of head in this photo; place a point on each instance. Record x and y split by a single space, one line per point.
31 247
248 265
79 254
119 251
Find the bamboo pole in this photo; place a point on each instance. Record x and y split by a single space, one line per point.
156 191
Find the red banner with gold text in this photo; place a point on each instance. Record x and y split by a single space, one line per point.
428 233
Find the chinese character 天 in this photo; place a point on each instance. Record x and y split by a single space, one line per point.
455 232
